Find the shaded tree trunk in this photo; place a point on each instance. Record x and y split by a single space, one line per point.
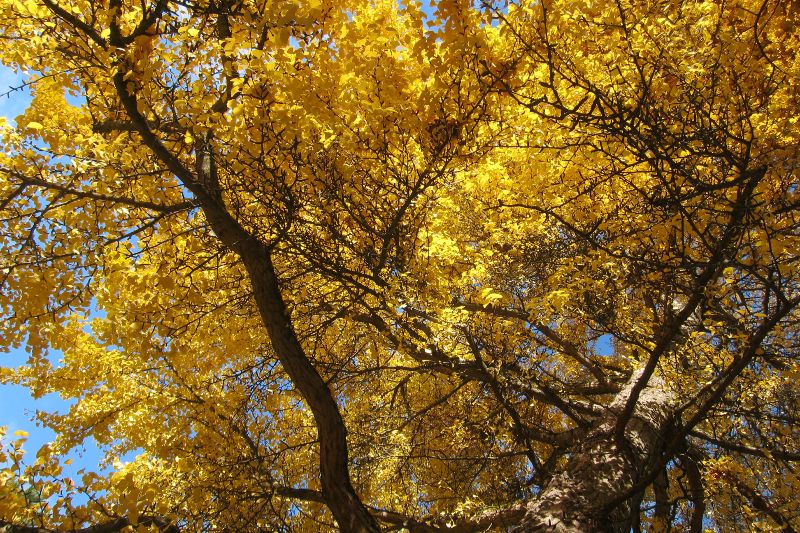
583 498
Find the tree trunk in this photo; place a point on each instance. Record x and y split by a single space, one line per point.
350 513
583 497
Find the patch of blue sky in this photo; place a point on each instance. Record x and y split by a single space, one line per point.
15 95
18 407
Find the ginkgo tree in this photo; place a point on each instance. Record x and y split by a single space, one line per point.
374 265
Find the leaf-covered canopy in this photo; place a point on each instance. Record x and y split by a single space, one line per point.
378 264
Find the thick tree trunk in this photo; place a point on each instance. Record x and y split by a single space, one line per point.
602 470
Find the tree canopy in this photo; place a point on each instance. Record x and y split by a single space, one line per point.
372 265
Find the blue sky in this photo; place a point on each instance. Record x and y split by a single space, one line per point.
17 407
15 102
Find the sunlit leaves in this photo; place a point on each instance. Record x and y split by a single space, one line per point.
482 220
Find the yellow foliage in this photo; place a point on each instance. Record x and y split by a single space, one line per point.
233 234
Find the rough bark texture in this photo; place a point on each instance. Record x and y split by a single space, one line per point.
603 470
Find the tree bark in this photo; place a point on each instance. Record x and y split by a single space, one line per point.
582 498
